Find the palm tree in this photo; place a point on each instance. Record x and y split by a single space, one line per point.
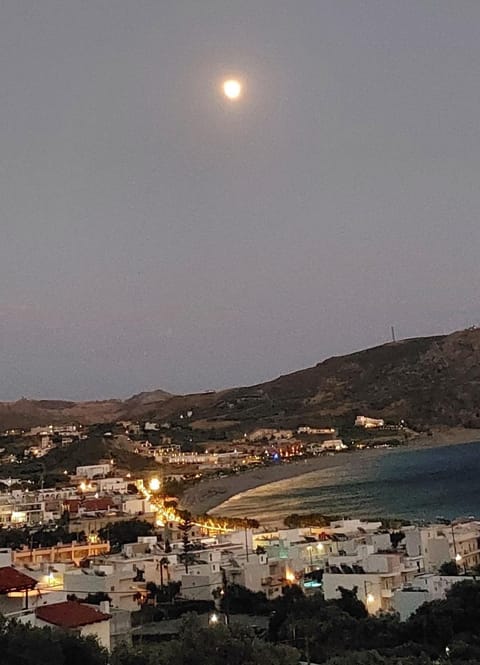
164 562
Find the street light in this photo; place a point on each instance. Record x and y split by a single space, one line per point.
458 561
213 619
369 597
154 484
290 576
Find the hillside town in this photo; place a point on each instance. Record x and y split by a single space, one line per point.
107 550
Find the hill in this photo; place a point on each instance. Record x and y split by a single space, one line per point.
428 381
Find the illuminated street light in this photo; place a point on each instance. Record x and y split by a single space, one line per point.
290 576
213 620
369 597
154 484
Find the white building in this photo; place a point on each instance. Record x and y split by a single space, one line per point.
333 444
91 471
375 576
317 431
111 485
437 543
116 578
269 434
369 423
151 427
72 616
424 589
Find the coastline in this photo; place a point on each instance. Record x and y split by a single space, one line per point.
210 494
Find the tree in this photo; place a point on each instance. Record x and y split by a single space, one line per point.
152 590
164 563
128 531
241 600
396 537
208 645
448 568
350 604
185 526
294 520
22 644
455 618
163 594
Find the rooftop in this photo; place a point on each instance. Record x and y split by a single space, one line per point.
13 580
70 614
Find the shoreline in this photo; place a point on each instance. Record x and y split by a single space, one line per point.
212 494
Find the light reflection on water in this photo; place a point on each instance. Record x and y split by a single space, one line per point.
416 484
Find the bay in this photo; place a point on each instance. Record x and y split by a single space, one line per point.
414 484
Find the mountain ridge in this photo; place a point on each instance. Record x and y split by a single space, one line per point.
427 381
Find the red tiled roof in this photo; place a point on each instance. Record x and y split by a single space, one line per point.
88 505
71 505
13 580
70 614
95 505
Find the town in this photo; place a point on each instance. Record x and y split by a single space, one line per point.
106 550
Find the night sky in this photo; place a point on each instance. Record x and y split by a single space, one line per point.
156 235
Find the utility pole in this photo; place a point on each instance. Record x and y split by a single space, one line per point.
225 597
454 542
393 334
307 649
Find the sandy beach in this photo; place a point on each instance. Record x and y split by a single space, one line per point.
211 493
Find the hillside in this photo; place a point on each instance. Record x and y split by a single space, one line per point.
427 381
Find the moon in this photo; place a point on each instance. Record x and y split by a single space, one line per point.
232 89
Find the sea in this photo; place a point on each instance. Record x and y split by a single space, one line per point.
414 484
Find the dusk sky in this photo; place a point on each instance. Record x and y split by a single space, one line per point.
156 235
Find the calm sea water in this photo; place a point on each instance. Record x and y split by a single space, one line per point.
416 484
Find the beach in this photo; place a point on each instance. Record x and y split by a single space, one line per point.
210 493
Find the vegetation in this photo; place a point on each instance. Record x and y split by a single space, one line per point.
340 631
295 521
185 526
23 645
239 600
448 568
334 632
44 536
119 533
200 645
86 451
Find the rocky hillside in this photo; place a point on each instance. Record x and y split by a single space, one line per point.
427 381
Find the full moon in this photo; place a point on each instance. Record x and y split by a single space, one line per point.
232 89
